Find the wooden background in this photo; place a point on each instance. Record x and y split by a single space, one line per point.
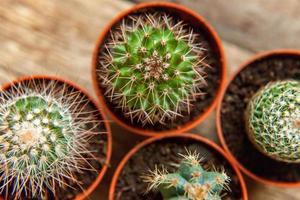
57 37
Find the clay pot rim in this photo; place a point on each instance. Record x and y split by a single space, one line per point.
103 170
223 68
251 60
190 136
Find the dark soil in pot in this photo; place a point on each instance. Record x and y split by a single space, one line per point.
163 153
239 92
98 144
213 73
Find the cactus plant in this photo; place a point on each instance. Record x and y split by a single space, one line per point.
152 68
44 138
190 182
273 120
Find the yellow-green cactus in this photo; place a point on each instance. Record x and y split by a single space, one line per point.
153 68
273 120
189 182
43 139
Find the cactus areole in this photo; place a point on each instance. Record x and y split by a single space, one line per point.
273 120
189 182
44 139
152 68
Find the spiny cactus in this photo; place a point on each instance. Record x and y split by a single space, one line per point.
273 120
189 182
152 68
44 138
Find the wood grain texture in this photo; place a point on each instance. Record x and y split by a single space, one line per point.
253 24
57 37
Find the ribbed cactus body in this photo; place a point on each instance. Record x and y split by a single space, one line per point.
273 120
44 139
153 69
35 132
190 181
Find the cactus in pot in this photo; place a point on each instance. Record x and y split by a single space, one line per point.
152 68
45 134
190 182
273 120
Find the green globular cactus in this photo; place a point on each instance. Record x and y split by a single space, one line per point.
189 182
43 139
153 68
273 120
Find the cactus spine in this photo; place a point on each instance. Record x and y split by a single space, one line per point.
273 120
152 68
44 138
189 182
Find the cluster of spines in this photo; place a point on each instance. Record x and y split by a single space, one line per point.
273 120
45 134
190 182
152 68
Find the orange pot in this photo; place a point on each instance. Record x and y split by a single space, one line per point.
96 182
194 137
219 125
197 21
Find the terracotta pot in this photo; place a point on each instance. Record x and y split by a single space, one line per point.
188 136
96 182
196 21
244 169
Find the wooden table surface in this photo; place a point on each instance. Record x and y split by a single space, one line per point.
56 37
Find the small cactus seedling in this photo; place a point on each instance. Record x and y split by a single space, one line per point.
44 138
152 68
189 182
273 120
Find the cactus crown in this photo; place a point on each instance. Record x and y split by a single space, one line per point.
43 138
153 68
189 182
273 120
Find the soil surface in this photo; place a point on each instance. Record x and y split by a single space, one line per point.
213 76
98 144
239 92
165 153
